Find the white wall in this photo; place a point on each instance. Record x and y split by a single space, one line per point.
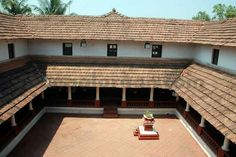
177 50
99 48
21 48
3 50
227 55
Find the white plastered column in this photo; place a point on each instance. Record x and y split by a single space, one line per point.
31 106
97 93
69 93
151 94
177 97
13 121
187 109
202 124
123 94
225 146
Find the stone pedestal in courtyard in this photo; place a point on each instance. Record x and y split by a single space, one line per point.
147 130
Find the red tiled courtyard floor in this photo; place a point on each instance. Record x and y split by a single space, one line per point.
73 136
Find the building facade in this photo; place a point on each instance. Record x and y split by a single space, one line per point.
96 61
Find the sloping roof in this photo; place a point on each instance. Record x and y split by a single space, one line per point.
18 87
115 26
11 27
217 33
112 26
112 72
209 91
213 94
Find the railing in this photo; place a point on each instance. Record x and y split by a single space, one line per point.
192 122
215 147
12 132
6 137
134 104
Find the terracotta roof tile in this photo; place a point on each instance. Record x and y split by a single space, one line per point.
113 72
213 94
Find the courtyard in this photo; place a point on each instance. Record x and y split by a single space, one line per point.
72 135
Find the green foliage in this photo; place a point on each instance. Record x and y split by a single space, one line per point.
15 7
52 7
230 11
202 15
220 12
148 114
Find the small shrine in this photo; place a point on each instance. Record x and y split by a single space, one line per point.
147 130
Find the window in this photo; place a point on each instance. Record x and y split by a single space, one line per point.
215 56
156 50
11 51
67 49
111 49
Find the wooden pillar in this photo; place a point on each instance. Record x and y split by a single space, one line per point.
186 111
201 126
97 101
151 100
123 102
69 99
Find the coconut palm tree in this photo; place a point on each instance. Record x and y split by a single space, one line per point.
52 7
15 7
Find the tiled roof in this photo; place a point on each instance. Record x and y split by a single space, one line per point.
113 72
111 27
114 26
213 94
217 33
209 91
11 27
18 87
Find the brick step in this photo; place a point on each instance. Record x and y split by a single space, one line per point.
110 112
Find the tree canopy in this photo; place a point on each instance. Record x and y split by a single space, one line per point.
15 7
202 15
52 7
220 12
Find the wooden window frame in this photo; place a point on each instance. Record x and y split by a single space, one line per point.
215 56
64 50
112 52
157 50
11 50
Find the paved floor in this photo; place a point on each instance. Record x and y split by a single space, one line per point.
73 136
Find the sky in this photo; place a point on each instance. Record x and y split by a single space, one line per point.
178 9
